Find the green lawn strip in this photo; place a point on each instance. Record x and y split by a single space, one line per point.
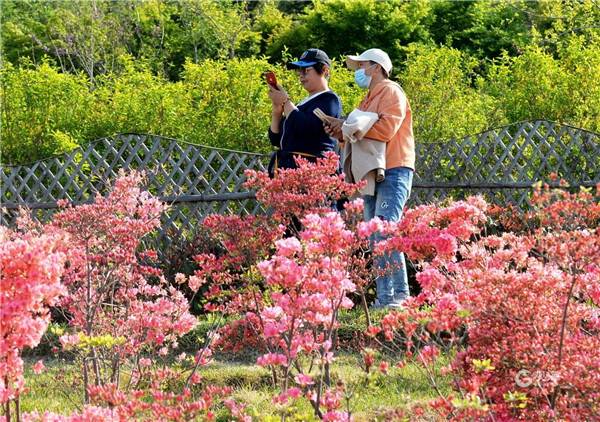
48 391
369 396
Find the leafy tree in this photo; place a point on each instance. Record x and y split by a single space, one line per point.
348 27
293 7
23 30
91 35
267 25
554 21
483 29
446 104
159 38
199 36
78 35
229 21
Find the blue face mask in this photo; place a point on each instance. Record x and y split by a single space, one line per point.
361 79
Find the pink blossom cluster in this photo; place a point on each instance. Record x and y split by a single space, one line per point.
310 188
432 232
111 291
309 283
30 269
524 301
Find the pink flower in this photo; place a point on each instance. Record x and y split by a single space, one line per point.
428 354
39 367
69 340
288 246
271 312
195 378
294 392
337 416
271 359
303 380
270 330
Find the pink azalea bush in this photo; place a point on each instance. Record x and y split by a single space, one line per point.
30 269
287 276
119 309
124 318
308 280
521 309
235 284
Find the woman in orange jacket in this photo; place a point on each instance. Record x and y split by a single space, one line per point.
393 127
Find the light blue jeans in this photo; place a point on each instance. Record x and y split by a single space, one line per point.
388 203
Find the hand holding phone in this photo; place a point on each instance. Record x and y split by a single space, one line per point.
271 79
322 116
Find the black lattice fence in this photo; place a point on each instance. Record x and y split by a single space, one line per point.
502 164
194 179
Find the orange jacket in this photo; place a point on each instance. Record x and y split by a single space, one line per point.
394 125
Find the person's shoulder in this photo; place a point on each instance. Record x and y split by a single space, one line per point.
390 88
328 97
330 94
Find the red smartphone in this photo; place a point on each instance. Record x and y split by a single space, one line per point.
271 79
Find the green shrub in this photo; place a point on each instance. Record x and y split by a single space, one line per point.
42 111
224 103
441 85
563 87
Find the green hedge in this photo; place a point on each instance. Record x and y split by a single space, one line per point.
224 103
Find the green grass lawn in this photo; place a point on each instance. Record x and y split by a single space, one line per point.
368 396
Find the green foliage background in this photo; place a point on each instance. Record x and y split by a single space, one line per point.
73 72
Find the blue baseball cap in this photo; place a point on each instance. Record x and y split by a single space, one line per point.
310 57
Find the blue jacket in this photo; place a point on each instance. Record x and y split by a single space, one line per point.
303 132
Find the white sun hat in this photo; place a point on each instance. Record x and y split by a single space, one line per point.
373 54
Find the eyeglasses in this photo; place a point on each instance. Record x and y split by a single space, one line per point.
303 70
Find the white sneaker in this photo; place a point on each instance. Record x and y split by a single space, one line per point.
396 305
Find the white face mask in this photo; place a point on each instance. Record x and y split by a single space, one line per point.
361 79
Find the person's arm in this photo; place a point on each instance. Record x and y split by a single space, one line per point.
391 110
276 119
280 102
279 99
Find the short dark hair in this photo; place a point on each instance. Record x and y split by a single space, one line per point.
320 68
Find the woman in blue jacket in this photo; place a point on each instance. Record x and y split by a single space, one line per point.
295 129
